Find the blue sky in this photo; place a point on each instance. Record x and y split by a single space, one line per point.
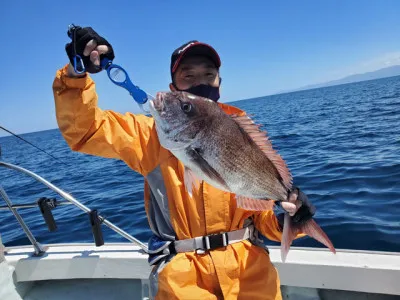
265 46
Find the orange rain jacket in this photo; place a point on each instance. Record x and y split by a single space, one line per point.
238 271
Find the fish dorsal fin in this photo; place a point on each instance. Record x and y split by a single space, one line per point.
260 138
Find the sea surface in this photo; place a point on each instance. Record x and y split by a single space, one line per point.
341 143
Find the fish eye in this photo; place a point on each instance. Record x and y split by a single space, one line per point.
186 107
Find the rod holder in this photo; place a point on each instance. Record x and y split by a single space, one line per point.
46 205
95 222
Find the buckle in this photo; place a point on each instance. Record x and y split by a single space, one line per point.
214 241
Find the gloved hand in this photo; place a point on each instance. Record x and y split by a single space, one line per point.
90 46
305 209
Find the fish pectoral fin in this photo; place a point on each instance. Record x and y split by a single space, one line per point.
254 204
205 167
191 181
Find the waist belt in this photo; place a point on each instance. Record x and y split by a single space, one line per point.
202 244
162 249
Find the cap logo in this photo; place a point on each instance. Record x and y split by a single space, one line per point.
184 48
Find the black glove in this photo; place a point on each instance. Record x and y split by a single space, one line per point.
306 210
303 214
81 36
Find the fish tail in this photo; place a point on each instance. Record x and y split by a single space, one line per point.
288 235
311 228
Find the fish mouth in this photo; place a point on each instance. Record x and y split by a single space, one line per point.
158 102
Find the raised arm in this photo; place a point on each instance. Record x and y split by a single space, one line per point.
89 129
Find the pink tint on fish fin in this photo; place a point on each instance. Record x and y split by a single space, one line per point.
288 235
254 204
190 181
260 138
312 229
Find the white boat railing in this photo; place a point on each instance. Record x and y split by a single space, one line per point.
306 269
46 205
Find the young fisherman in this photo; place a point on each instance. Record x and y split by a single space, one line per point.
202 266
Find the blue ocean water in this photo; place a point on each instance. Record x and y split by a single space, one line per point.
341 143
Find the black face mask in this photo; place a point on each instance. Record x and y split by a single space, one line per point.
204 90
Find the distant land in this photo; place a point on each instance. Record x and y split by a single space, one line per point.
381 73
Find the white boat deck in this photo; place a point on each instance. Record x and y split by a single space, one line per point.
120 271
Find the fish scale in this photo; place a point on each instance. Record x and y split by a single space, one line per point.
252 174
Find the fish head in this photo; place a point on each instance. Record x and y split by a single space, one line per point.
180 117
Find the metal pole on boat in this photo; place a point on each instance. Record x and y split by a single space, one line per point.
2 250
32 205
68 197
39 250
